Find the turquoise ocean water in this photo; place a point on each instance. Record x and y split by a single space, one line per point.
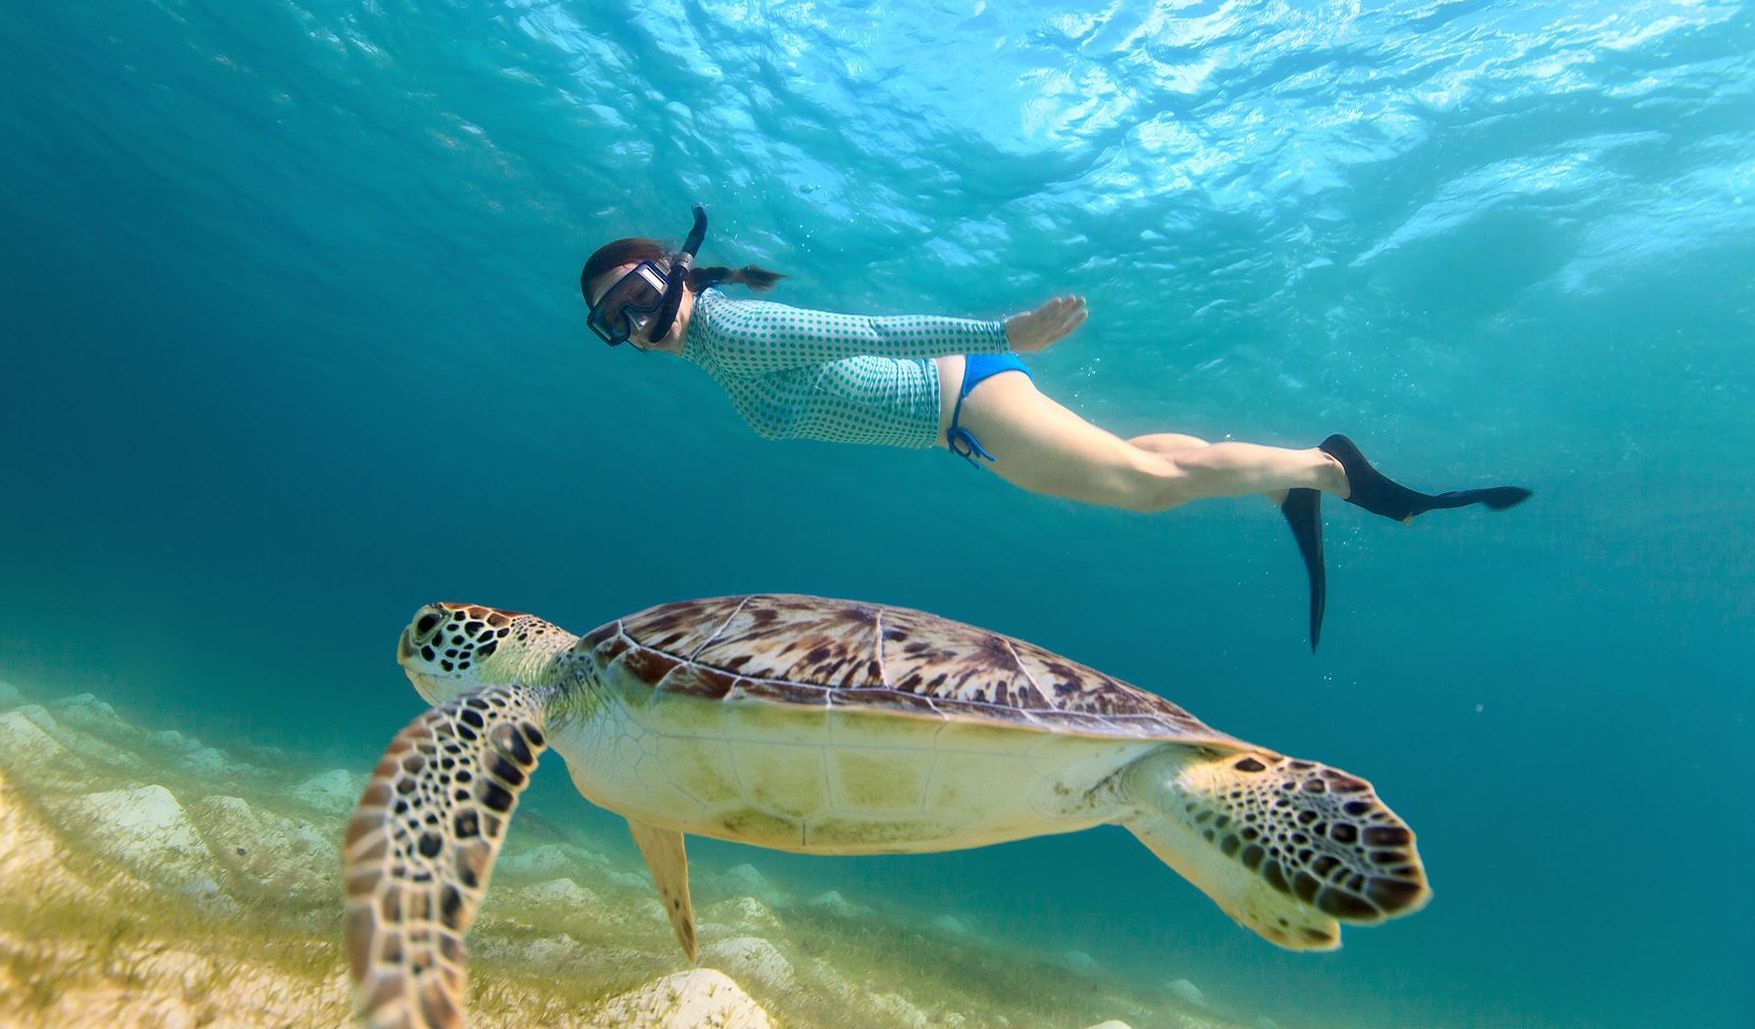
292 344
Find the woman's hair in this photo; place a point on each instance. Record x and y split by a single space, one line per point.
635 249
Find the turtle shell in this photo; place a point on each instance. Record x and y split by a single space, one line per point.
814 651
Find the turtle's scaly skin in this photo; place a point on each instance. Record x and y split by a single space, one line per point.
420 848
832 727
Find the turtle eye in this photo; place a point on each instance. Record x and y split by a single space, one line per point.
426 623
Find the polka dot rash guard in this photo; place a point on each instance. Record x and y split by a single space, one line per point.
797 374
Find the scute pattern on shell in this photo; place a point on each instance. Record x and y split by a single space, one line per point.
817 651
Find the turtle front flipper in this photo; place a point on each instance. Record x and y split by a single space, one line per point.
1288 848
663 851
421 846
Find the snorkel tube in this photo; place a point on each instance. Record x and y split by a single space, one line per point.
678 278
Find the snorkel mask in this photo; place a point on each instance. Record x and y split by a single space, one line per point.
645 300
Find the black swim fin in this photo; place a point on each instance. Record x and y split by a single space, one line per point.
1303 511
1377 493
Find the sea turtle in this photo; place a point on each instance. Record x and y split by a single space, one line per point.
827 727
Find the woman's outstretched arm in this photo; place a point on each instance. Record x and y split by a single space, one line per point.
752 337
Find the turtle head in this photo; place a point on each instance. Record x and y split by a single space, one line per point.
450 649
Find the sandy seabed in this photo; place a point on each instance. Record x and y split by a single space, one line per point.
147 878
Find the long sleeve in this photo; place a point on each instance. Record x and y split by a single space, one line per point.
755 337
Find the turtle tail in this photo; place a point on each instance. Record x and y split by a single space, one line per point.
421 846
1288 848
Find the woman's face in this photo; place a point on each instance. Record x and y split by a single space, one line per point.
672 343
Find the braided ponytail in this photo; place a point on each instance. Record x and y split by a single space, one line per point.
754 276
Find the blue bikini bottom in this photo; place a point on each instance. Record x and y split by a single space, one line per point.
977 368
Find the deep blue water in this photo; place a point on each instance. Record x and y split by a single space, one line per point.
292 344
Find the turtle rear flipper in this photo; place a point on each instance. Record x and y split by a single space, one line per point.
1288 848
421 846
669 864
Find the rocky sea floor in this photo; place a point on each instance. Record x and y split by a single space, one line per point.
147 878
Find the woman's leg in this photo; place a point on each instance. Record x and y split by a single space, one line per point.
1041 446
1167 444
1253 459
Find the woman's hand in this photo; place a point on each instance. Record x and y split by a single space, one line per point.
1034 331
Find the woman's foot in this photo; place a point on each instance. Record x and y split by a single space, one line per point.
1375 492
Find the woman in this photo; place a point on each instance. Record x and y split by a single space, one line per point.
921 381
